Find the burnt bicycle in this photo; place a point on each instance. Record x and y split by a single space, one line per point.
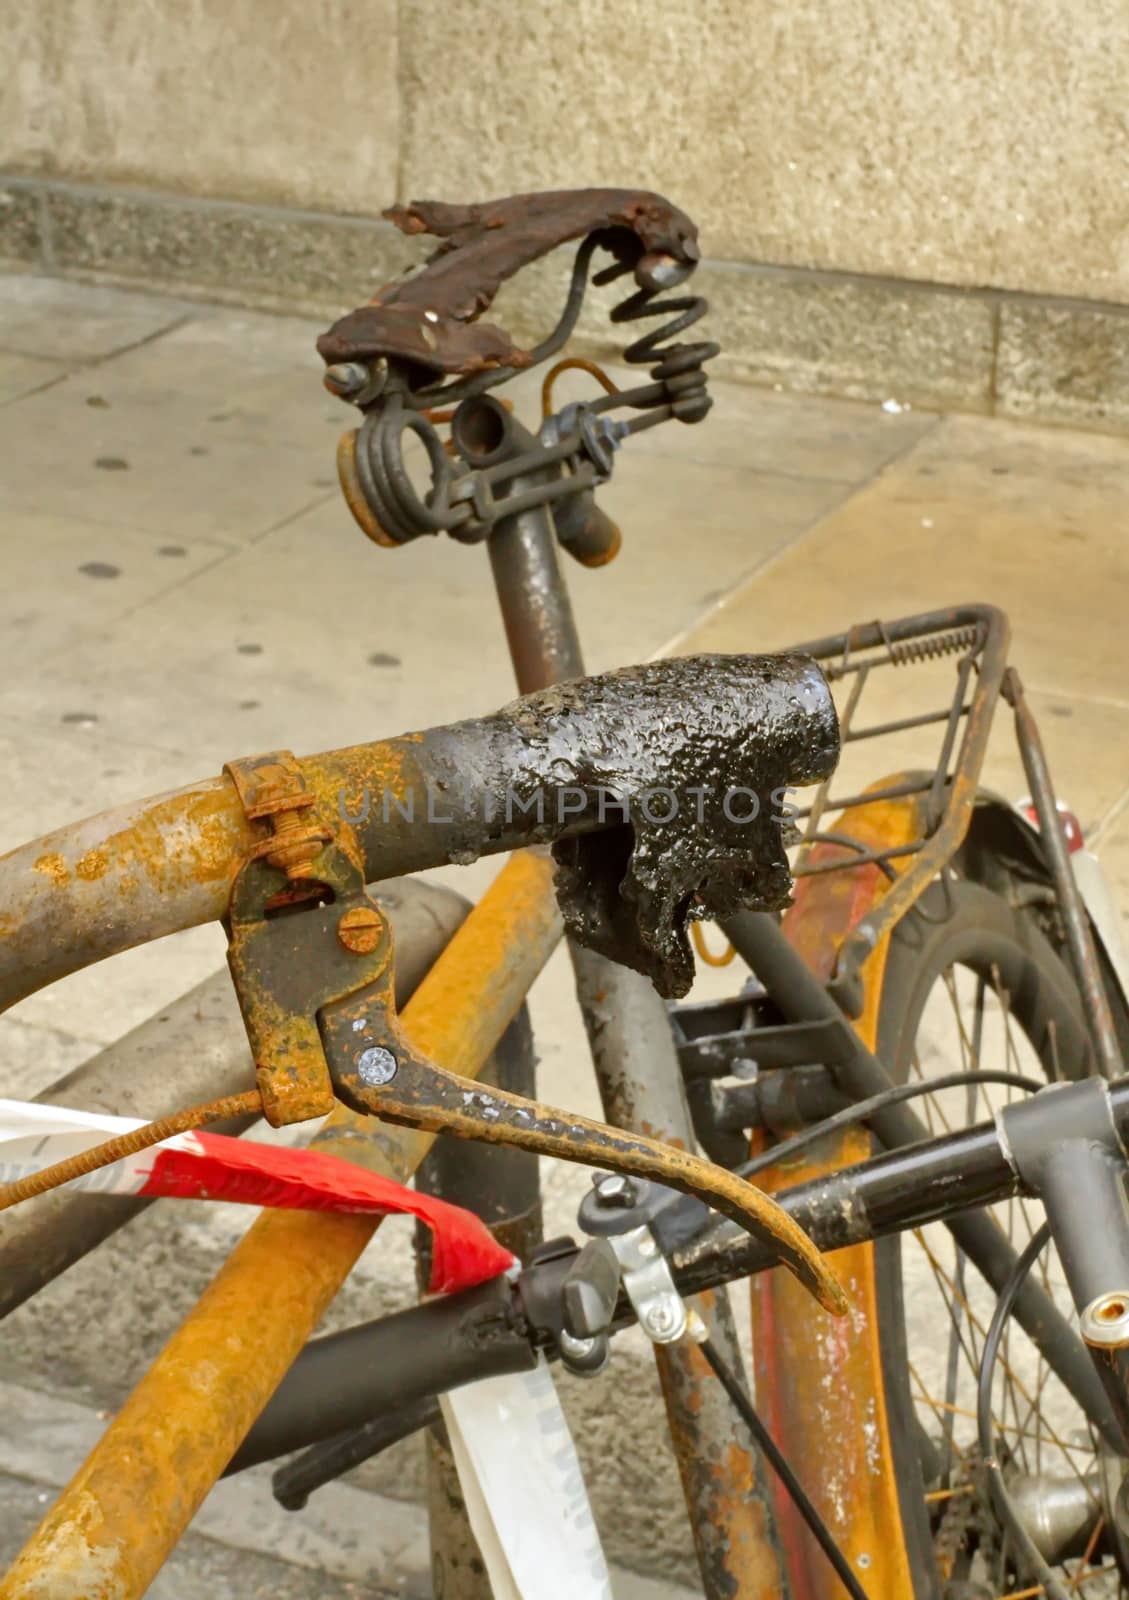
922 1071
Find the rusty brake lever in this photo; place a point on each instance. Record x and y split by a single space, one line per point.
375 1069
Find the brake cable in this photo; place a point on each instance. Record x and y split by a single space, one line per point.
129 1144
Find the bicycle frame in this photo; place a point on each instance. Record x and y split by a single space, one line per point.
140 873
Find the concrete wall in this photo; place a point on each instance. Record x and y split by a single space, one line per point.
293 101
981 142
859 147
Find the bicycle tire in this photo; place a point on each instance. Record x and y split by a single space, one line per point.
967 926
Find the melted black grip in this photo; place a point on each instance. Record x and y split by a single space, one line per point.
697 760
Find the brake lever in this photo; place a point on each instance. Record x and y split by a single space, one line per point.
376 1069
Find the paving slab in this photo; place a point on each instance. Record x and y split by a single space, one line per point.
67 578
20 375
75 323
1032 519
347 1541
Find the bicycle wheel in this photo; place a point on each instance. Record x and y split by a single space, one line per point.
971 981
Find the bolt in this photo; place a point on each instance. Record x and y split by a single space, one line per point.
375 1066
298 845
346 378
576 1349
360 930
1105 1321
647 1247
658 270
612 1189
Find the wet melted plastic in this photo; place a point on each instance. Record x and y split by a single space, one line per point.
692 759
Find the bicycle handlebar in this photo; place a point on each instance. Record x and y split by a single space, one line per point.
584 757
439 1346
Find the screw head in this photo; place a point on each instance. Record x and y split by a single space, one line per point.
360 930
375 1066
661 1319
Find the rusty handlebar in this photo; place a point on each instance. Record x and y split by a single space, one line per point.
558 765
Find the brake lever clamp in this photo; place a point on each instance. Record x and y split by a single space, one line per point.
620 1212
569 1298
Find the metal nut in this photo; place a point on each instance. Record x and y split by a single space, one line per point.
360 930
346 378
1105 1321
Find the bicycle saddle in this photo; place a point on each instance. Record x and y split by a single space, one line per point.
430 316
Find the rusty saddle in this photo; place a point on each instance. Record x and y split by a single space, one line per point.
420 348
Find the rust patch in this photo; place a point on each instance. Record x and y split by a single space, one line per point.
53 866
92 865
819 1382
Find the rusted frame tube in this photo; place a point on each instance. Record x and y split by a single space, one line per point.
113 1526
1071 906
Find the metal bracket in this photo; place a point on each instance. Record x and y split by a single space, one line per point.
648 1284
621 1212
294 950
273 786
